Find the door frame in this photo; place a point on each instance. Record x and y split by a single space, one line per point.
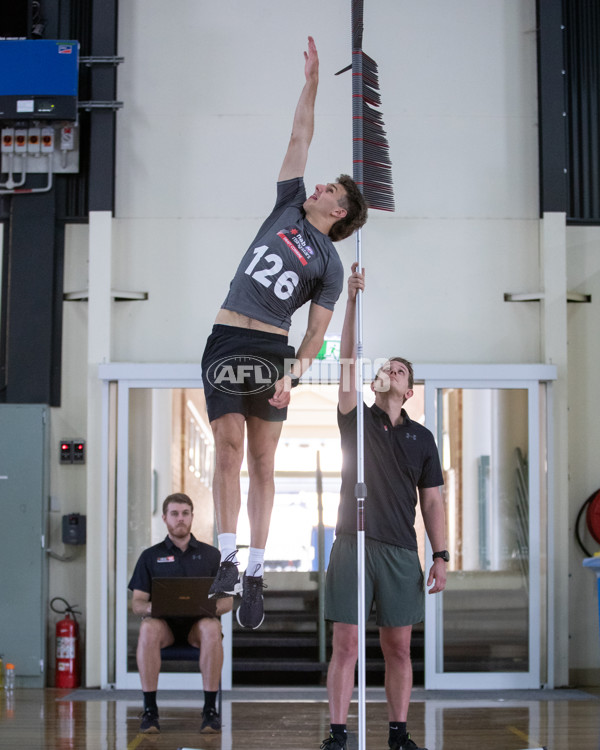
524 377
434 377
129 377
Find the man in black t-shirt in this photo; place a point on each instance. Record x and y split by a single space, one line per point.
402 468
248 368
180 554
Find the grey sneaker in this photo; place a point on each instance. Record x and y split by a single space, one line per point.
211 722
405 744
149 723
227 581
251 611
334 743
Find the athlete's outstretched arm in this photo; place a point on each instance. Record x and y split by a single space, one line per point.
304 118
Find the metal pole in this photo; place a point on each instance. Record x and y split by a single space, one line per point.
361 493
321 561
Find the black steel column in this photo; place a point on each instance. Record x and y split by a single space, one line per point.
34 302
103 121
552 114
34 224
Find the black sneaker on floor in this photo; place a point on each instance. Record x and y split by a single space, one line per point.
251 611
211 722
149 723
405 744
334 743
227 580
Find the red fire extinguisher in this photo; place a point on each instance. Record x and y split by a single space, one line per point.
592 517
67 646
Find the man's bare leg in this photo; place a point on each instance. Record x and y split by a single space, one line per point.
340 681
263 437
154 635
206 635
340 674
228 432
395 645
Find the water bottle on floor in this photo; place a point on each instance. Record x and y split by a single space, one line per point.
9 677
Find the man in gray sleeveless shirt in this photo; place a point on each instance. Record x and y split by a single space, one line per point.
248 368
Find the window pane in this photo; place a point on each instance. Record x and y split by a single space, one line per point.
484 438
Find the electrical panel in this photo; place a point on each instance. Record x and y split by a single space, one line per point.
74 529
38 111
39 81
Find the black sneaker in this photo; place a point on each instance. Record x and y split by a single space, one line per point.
149 723
405 744
211 722
334 743
251 611
227 580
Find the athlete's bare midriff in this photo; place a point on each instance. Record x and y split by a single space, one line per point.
231 318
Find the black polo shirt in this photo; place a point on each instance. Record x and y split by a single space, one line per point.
398 459
165 559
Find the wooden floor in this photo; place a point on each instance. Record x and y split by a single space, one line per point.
298 720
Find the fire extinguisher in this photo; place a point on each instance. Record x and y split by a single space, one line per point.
67 646
592 517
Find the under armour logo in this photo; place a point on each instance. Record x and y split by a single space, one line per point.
196 557
408 436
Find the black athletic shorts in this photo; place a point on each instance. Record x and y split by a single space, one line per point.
180 627
240 367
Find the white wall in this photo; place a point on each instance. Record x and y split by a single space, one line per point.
68 483
583 245
209 92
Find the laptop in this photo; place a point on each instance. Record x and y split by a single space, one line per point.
182 597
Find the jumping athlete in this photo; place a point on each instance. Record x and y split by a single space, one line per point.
248 368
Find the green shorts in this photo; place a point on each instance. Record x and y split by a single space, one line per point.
393 582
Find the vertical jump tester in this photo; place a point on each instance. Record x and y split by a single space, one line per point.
372 172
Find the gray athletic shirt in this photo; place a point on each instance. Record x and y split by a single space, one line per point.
289 263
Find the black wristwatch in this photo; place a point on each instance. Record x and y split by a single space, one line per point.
444 554
294 378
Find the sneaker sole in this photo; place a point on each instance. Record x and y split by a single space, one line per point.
150 730
252 627
237 591
210 730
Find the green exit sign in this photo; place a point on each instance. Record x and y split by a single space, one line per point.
330 348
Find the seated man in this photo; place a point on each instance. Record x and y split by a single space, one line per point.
179 554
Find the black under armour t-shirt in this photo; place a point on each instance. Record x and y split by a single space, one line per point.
165 560
398 459
288 263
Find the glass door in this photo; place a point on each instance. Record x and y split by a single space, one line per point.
484 630
164 445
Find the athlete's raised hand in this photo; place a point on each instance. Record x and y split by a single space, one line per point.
311 60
